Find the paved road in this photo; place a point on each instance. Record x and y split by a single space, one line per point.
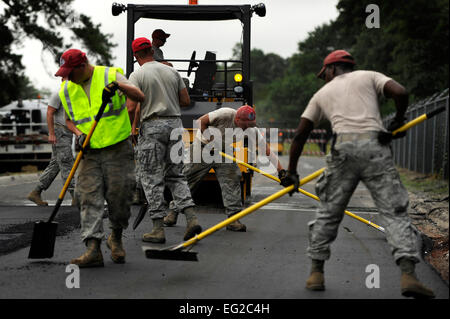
268 261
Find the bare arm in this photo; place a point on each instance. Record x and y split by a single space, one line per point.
304 128
51 124
185 100
131 91
398 93
71 126
131 107
203 122
137 116
270 154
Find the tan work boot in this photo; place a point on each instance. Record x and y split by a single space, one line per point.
157 235
192 226
114 243
411 287
237 226
316 281
92 257
35 196
171 218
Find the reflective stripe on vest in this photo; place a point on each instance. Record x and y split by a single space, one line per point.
115 124
111 111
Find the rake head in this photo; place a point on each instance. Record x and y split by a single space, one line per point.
170 254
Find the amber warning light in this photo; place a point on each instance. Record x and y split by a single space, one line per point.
193 1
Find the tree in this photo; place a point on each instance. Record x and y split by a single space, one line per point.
286 97
411 44
43 20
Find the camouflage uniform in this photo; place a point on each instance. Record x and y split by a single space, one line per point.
61 160
105 174
157 169
229 178
360 157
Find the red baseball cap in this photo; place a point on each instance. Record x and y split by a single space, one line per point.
160 34
69 60
140 44
336 56
246 113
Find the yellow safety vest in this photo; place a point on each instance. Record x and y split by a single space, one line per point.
114 125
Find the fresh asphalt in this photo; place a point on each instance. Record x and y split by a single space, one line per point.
266 262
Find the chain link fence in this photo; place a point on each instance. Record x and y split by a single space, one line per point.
424 149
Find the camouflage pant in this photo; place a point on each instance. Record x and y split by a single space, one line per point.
136 170
61 160
157 169
229 178
105 174
367 161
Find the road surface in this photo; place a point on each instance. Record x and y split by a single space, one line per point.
266 262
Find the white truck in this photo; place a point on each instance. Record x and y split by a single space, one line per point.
24 134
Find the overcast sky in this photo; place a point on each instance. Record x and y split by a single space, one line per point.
286 23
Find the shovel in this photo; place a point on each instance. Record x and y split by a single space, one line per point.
140 216
178 252
44 232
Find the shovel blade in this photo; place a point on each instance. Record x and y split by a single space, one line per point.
140 216
43 241
170 254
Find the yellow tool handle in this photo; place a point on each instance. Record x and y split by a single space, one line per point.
419 119
262 172
410 124
77 161
301 190
249 210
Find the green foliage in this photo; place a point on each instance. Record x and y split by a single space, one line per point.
96 43
43 20
411 46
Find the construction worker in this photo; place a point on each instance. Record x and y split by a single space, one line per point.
159 38
360 151
60 137
228 174
106 170
159 115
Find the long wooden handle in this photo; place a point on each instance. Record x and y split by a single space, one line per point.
249 210
365 221
76 163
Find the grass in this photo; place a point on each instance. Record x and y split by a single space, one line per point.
427 183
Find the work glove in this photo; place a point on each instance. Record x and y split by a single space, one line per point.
386 137
291 179
79 141
109 91
282 174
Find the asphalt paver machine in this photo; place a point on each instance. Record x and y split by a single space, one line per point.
217 83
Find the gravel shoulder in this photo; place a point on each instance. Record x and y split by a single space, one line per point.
429 212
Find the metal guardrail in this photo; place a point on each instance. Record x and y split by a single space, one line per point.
424 149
